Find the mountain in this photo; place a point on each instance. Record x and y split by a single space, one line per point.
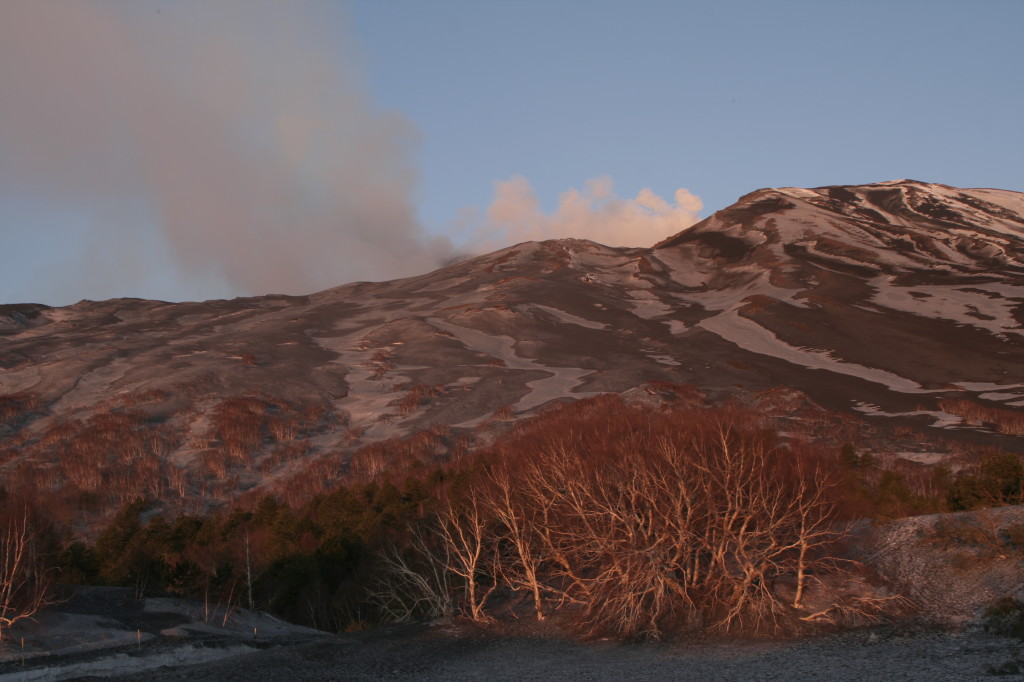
898 304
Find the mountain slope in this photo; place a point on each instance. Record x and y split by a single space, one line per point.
913 287
889 299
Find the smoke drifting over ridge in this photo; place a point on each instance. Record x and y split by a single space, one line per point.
227 148
228 125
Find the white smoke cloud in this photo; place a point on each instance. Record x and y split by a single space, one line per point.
228 125
594 213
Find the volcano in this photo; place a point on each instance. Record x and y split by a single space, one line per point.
897 303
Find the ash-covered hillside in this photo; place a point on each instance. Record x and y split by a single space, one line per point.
899 302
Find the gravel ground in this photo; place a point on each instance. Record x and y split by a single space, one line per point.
412 653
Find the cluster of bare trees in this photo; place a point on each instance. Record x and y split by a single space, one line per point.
241 428
119 454
641 526
1005 421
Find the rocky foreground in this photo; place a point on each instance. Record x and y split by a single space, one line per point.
417 652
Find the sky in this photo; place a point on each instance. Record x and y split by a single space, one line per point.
198 149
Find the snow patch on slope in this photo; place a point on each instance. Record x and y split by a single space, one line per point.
750 336
979 305
943 420
648 306
561 382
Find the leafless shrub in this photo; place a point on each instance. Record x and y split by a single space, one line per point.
381 363
1005 421
418 396
504 413
415 583
981 532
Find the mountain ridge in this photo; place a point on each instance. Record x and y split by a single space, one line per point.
883 302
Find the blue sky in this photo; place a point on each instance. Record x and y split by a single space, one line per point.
209 148
720 97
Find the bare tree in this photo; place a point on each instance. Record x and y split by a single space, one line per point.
413 583
24 580
518 517
469 548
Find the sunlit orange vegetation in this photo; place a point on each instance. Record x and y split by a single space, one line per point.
102 462
316 477
137 398
641 521
683 395
16 408
241 426
633 520
430 447
120 452
381 363
418 396
782 399
392 461
1005 421
894 489
505 413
